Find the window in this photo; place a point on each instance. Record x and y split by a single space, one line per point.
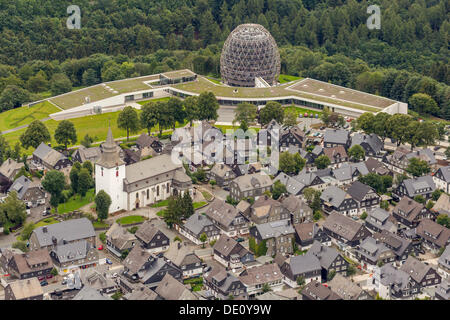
137 195
157 191
168 187
148 194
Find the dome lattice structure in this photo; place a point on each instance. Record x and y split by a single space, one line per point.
250 51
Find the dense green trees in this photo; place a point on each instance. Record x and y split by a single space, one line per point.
245 114
322 162
53 183
271 111
35 134
291 163
128 120
102 204
418 167
66 133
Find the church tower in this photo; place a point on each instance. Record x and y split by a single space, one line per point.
110 172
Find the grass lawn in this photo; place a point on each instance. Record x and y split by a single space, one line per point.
199 204
25 115
45 222
159 204
208 196
100 225
130 220
160 213
152 100
196 283
299 110
283 78
76 202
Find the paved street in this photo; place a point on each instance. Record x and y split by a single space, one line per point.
226 115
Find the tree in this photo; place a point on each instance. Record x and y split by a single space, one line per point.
379 183
53 183
322 162
13 97
423 103
317 215
290 118
149 116
429 205
315 205
54 272
443 220
436 194
299 162
14 209
173 214
418 167
245 113
272 111
65 133
187 205
331 275
38 82
356 153
363 215
87 141
366 122
300 280
176 111
191 109
59 84
26 231
21 245
35 134
207 106
128 120
325 117
351 270
102 204
88 165
266 288
399 179
397 125
309 193
287 163
278 189
124 254
85 181
420 199
212 183
203 238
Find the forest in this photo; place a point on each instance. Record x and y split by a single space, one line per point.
323 39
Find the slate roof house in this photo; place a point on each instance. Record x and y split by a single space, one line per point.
375 166
347 289
78 254
308 232
392 283
399 160
371 143
330 259
300 211
231 253
151 238
379 219
222 174
409 212
171 289
278 236
424 275
293 186
292 136
49 159
98 280
371 252
336 137
266 209
444 263
365 196
68 231
255 278
10 168
227 218
223 284
443 291
402 247
197 224
337 155
145 141
249 186
27 289
88 293
306 266
29 191
442 206
185 259
441 178
83 154
317 291
349 172
423 186
345 230
147 268
336 199
310 179
119 240
434 235
27 265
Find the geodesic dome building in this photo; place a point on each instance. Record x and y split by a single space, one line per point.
249 52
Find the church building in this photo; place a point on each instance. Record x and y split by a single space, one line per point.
138 184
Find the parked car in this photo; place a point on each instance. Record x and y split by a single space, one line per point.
64 282
114 275
207 268
100 247
108 261
44 283
240 239
41 278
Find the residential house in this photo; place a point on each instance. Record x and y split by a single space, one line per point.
336 137
317 291
442 206
365 196
330 260
310 180
10 168
434 235
371 252
256 278
26 289
171 289
119 241
293 186
65 232
344 230
392 283
378 167
306 267
266 209
83 154
379 219
29 191
336 199
79 254
144 141
27 265
98 279
231 253
185 259
222 174
227 218
349 172
299 210
444 263
424 274
141 293
408 213
401 246
443 291
88 293
423 186
337 156
441 178
277 235
151 238
308 232
371 143
196 225
46 158
223 285
347 289
399 160
250 186
292 136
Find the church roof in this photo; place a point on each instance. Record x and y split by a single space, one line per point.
110 156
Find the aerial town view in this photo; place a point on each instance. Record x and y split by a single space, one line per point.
219 151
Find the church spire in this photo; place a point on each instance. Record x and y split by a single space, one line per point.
110 153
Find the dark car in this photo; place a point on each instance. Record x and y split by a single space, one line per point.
240 239
44 283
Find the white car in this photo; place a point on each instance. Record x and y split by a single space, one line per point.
114 275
